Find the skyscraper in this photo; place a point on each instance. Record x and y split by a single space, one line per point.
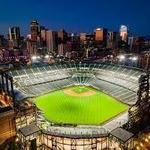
101 36
112 39
34 40
43 38
43 35
14 33
51 40
62 35
35 30
62 39
124 33
14 37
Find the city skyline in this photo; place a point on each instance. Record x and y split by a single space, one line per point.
76 17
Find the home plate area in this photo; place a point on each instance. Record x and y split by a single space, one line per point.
79 91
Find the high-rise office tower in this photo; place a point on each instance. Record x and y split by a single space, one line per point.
112 40
43 35
124 33
35 30
62 39
14 37
51 40
34 40
14 33
62 35
101 36
130 42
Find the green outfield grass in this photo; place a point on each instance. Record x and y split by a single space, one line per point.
96 109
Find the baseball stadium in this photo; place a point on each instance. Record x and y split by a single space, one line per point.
78 106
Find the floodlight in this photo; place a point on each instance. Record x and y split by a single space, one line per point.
47 56
34 57
38 57
121 57
134 58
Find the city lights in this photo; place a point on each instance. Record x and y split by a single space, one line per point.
34 58
134 58
47 56
38 57
121 57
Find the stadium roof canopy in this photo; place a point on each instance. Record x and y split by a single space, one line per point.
122 134
29 130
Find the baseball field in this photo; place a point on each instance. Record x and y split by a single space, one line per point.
80 105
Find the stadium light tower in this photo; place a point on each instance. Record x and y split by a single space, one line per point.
121 57
134 58
34 58
47 56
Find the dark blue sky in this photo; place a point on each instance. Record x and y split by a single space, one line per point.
76 15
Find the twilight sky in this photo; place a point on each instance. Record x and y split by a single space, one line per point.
76 15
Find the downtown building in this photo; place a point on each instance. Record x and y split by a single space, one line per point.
62 40
124 33
101 37
51 41
3 42
33 39
13 47
112 40
83 37
41 41
14 37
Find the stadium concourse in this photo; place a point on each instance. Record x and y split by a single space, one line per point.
117 81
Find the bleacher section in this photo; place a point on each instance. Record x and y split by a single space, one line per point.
118 81
40 89
116 91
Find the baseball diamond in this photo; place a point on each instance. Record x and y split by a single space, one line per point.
79 105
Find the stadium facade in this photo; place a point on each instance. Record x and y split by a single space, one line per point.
120 82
